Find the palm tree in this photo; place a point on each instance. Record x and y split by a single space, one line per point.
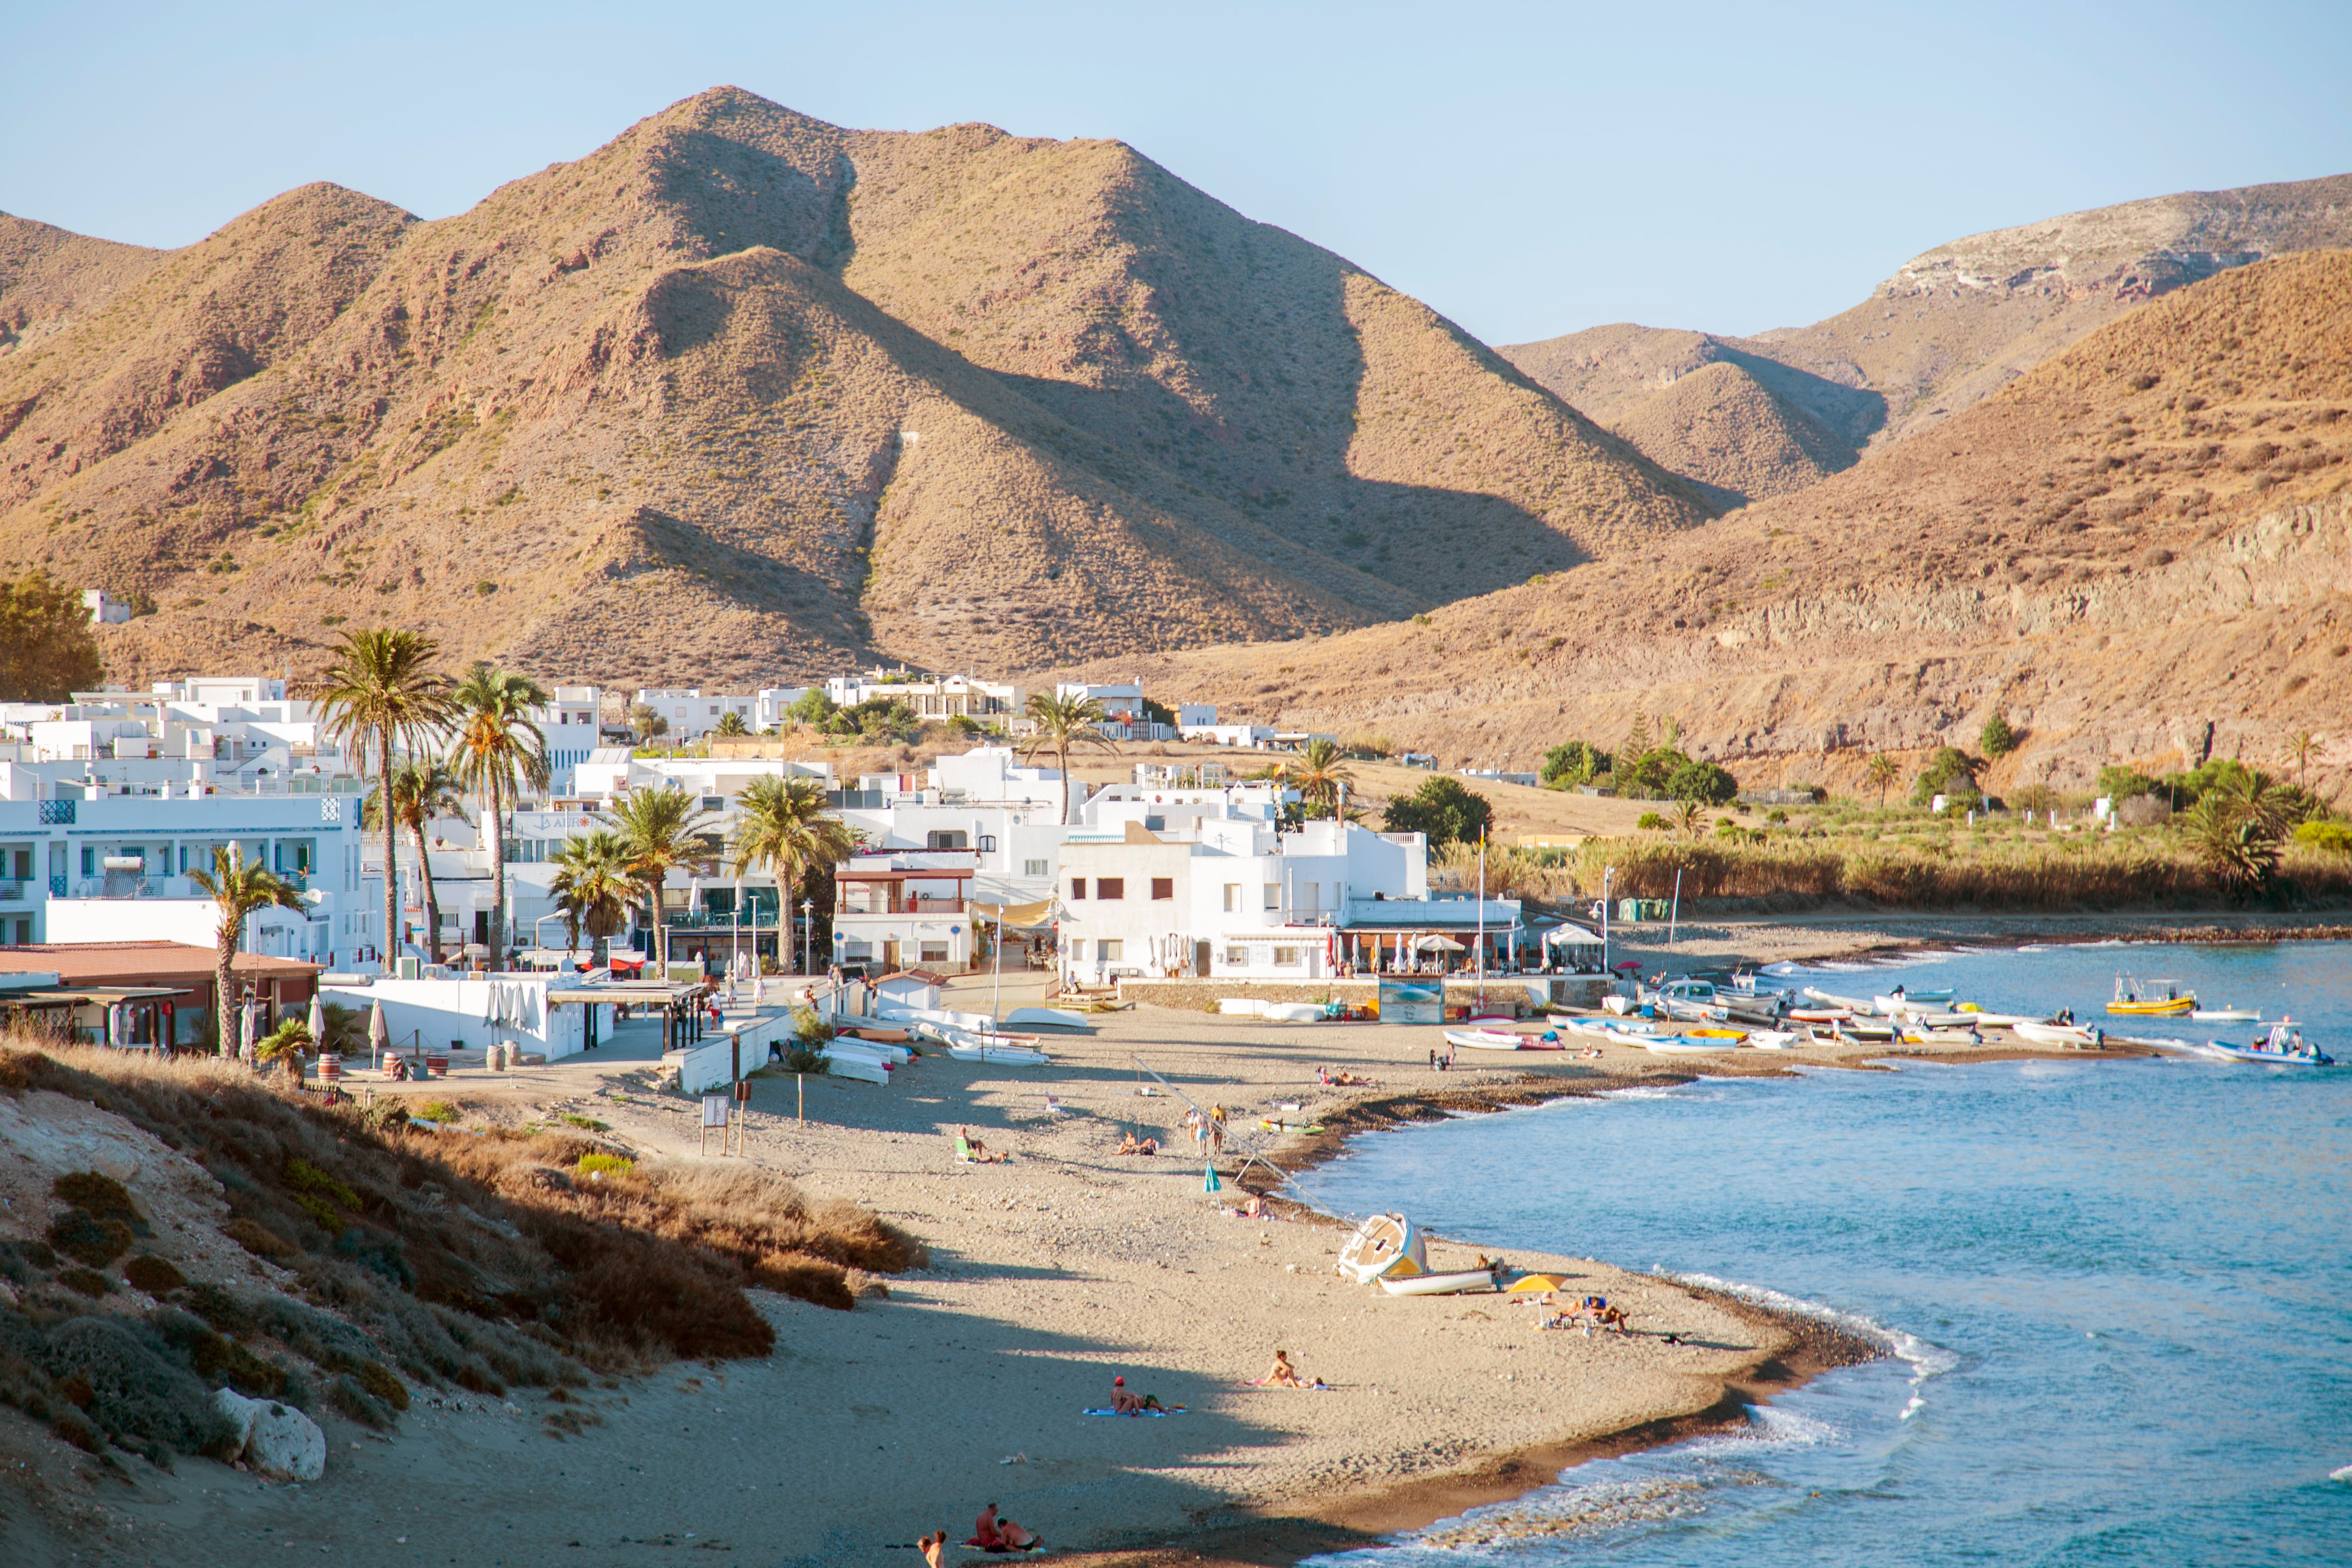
2300 745
499 750
2238 828
1063 722
239 890
1883 772
1320 775
784 827
592 883
659 829
733 724
422 789
381 690
1687 816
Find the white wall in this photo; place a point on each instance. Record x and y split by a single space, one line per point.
454 1010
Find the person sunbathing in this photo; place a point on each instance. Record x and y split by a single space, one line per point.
991 1533
973 1152
1281 1374
1346 1080
1131 1144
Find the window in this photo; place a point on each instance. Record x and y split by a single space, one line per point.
946 839
1033 869
1164 886
1111 887
1233 900
1310 898
1111 952
935 953
988 843
1285 958
1237 955
1077 887
1274 895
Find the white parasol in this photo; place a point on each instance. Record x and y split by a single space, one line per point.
318 1022
379 1037
245 1022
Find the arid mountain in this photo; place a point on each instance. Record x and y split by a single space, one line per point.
1959 322
2140 550
741 394
49 279
1721 425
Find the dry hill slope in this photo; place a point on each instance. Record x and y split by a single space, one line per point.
49 278
2139 551
1721 426
743 395
1959 322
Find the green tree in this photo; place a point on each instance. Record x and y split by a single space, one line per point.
783 825
237 890
2299 746
498 753
422 789
2238 828
1651 822
647 723
2119 783
1063 722
660 830
1572 762
1883 773
1950 772
732 723
1637 738
1320 775
812 707
1646 775
1689 815
592 883
1442 809
1703 781
48 649
1997 739
380 692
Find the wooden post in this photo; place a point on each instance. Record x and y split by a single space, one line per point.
800 1090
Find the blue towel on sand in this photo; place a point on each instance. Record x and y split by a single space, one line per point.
1138 1413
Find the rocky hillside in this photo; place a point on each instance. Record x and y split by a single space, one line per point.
1953 325
2139 551
1726 429
741 396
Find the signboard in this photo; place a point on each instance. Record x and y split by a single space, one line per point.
714 1110
1412 1001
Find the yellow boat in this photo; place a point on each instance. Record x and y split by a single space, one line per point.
2160 999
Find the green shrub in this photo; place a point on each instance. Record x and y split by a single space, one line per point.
2327 837
88 1282
586 1124
606 1166
1442 809
439 1110
1997 739
153 1274
1572 762
1950 772
102 1194
1702 782
1651 822
81 1235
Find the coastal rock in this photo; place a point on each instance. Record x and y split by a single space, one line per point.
278 1441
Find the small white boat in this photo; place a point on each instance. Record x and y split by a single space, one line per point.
2081 1036
2228 1015
1819 1014
1939 1037
1844 1003
1911 1001
860 1068
1050 1019
2283 1046
1777 1040
1380 1244
1466 1281
1489 1040
1621 1006
1688 1044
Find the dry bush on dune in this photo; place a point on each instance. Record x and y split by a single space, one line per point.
483 1262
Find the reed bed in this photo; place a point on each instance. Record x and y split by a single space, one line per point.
2093 874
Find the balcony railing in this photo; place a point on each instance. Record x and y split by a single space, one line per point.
922 904
12 892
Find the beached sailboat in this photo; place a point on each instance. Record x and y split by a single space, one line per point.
1384 1242
1904 1000
1689 1045
1457 1282
1842 1004
1497 1040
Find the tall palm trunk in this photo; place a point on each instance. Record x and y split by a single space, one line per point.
225 955
424 885
390 960
1062 759
496 797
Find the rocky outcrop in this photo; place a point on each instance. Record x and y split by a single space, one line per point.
276 1440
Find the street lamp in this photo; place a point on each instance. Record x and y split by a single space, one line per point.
808 936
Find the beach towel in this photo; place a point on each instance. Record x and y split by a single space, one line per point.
1003 1550
1179 1410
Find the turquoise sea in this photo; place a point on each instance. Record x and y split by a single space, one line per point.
2118 1293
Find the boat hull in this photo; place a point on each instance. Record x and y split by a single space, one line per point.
1471 1281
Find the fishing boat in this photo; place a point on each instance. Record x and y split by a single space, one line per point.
1939 1037
2228 1015
1456 1282
1687 1044
1843 1003
1819 1014
1903 999
1051 1018
2137 1000
2281 1045
2081 1036
1380 1244
1778 1040
1496 1040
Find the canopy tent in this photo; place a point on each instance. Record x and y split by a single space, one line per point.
1568 935
1436 944
1038 915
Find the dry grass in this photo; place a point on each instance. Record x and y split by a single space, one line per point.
2096 875
481 1262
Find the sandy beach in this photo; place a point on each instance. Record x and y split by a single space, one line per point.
1049 1275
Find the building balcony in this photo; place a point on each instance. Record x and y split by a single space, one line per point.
921 906
15 892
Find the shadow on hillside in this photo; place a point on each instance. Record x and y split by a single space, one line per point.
1851 414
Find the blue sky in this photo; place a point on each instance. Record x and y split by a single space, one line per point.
1527 170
